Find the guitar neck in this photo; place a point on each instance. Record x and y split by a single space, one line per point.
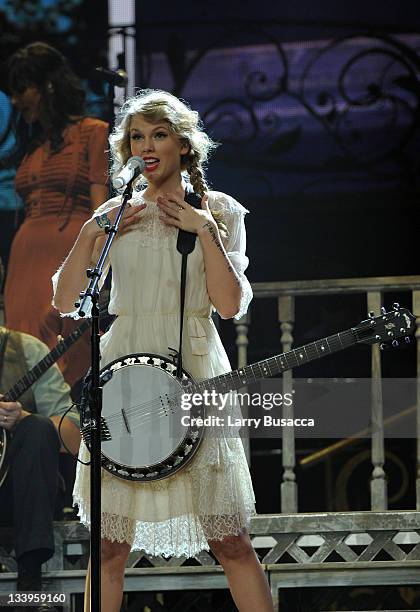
279 363
42 366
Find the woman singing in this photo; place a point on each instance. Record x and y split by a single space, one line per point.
208 504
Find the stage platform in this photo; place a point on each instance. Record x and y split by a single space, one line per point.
296 550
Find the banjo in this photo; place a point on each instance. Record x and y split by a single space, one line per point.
144 435
28 380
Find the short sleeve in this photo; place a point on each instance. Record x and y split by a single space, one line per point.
233 215
74 314
51 392
105 207
97 153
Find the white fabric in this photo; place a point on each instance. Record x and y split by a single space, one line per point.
212 497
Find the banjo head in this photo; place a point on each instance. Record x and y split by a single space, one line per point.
143 436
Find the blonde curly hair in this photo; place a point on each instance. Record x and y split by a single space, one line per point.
155 106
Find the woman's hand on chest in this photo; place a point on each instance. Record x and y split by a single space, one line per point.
178 213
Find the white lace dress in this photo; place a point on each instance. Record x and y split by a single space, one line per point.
212 497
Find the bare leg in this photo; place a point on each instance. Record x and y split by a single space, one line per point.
247 582
86 605
114 557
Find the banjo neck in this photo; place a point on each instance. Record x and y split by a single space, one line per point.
388 327
267 368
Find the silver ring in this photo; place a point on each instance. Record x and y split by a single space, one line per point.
5 418
103 221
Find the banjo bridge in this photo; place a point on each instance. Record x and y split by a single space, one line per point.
127 426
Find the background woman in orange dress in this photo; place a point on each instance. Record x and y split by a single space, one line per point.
61 178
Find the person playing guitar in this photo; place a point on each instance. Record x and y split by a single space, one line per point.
28 488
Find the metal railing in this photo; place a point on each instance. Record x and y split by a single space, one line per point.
286 294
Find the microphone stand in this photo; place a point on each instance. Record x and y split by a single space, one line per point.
91 296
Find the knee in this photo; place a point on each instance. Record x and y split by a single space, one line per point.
42 424
39 430
37 423
114 553
232 548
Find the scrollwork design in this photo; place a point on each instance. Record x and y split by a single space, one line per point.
326 104
232 121
366 83
359 92
257 86
270 122
338 110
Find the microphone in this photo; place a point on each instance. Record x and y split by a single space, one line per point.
118 78
134 166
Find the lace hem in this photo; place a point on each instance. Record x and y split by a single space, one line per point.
246 297
223 202
74 314
176 516
184 536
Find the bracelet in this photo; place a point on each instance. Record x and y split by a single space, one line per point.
103 221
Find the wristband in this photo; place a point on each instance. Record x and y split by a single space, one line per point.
103 221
